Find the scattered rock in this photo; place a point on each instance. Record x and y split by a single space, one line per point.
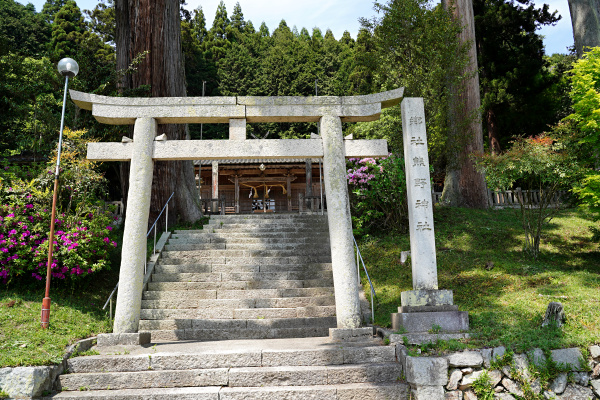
498 352
595 352
487 357
470 395
506 370
465 359
538 358
575 392
548 395
455 377
467 380
427 371
569 357
498 389
454 395
596 371
467 371
559 384
495 377
580 378
555 314
536 386
522 366
421 392
504 396
596 386
512 387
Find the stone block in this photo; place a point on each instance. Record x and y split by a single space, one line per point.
487 357
465 359
401 354
278 376
222 359
467 380
350 334
454 395
25 382
596 386
512 387
409 309
470 395
363 391
422 392
504 396
455 377
580 378
521 365
538 358
576 392
123 339
569 357
448 321
498 352
90 364
595 352
415 298
430 371
273 358
278 393
372 373
361 355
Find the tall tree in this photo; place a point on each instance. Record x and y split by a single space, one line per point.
67 31
22 30
514 74
585 18
154 26
464 185
50 8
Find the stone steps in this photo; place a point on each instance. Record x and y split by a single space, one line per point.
243 277
363 391
238 313
251 268
274 371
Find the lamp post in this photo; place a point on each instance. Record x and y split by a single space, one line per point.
69 69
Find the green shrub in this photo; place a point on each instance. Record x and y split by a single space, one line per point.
377 193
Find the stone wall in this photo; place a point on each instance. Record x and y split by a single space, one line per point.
451 376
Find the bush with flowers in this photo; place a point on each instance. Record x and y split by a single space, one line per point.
83 235
377 193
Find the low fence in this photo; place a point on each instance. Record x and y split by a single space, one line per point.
510 198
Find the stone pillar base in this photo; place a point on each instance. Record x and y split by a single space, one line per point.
350 335
429 311
123 339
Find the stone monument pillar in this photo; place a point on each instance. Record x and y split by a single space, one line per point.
214 208
133 257
347 305
425 305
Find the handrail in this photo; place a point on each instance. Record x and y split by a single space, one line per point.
165 207
373 295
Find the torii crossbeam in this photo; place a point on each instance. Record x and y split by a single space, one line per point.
146 113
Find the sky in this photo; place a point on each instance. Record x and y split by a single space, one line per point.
338 15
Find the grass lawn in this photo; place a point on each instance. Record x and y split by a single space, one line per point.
504 290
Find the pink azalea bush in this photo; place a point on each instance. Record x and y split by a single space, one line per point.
377 193
82 243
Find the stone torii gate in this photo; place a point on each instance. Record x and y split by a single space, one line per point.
146 113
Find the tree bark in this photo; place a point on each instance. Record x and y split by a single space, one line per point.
464 185
585 18
154 26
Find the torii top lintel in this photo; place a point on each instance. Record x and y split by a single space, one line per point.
185 110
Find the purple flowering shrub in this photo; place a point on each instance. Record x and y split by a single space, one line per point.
81 243
377 193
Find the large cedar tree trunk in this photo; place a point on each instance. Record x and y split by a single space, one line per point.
154 26
464 185
585 18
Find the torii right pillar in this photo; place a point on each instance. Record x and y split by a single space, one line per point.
425 308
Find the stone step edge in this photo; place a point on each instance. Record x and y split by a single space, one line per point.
366 391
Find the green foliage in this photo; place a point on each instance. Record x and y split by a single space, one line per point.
22 31
378 194
83 236
585 93
520 95
588 192
482 386
67 31
412 45
541 163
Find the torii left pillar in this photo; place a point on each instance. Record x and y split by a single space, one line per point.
131 275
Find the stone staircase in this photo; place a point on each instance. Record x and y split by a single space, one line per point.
271 369
243 277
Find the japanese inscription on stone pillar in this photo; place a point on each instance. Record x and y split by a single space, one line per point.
420 207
